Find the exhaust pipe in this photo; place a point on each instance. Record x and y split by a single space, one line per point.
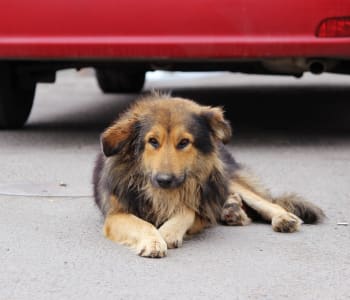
316 67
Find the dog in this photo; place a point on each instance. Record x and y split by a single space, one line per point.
165 173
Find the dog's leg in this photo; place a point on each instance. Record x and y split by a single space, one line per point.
136 233
174 229
281 220
198 225
233 213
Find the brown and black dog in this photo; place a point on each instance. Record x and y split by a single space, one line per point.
165 173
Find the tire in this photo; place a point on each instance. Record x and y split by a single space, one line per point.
16 101
112 81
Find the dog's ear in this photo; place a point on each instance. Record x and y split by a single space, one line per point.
219 125
119 134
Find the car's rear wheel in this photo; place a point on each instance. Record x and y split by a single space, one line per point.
112 81
16 99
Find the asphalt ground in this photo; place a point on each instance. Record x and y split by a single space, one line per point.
51 244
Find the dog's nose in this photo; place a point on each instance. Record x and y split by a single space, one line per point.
165 180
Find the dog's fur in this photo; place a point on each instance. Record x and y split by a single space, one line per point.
165 173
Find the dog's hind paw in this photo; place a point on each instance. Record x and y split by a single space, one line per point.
233 213
152 247
286 222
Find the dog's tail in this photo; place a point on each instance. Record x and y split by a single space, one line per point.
305 210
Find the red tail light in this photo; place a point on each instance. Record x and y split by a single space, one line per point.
334 27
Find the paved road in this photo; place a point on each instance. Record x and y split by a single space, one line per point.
51 246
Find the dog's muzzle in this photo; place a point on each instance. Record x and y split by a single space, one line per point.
167 181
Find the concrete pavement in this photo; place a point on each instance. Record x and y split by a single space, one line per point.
51 245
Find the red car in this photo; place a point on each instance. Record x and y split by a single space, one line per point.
123 39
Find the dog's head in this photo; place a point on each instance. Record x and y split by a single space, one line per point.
171 138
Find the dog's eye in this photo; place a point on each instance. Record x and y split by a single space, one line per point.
153 142
183 143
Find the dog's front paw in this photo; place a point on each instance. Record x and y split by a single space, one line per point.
172 238
152 247
286 222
